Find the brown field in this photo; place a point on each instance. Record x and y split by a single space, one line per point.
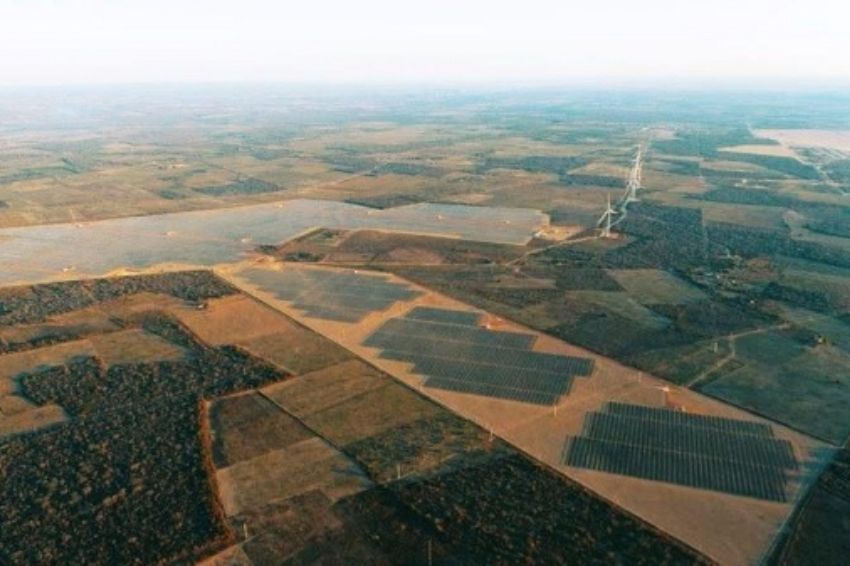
349 401
14 364
32 419
263 332
134 346
777 150
76 324
727 528
284 473
835 139
231 320
248 425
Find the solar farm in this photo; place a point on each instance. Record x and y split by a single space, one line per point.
728 455
266 327
456 354
206 238
340 296
725 484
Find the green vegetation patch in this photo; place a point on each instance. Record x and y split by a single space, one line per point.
707 143
770 348
839 171
656 287
749 196
681 364
250 425
810 392
577 179
759 242
249 186
411 168
556 164
622 305
834 221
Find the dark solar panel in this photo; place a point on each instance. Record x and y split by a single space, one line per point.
459 333
445 316
508 357
342 296
488 390
682 438
721 454
521 378
679 417
454 354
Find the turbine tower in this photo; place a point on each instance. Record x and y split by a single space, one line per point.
606 219
635 174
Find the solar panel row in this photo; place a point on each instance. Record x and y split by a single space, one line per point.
517 378
483 353
342 296
680 468
485 389
679 417
755 450
454 354
459 333
445 316
333 313
716 453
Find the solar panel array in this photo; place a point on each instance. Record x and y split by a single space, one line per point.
345 296
706 452
455 354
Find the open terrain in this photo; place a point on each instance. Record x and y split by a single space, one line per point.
420 349
716 520
204 425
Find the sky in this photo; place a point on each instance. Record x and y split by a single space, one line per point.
46 42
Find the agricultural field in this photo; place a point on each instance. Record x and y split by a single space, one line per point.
385 328
356 465
537 393
191 444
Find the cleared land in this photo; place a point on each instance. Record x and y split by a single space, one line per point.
778 150
243 321
197 444
836 139
726 527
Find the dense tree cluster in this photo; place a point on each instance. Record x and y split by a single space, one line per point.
662 237
127 479
534 163
755 242
20 305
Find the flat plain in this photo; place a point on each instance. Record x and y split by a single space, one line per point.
431 348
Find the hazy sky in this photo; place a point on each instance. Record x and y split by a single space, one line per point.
109 41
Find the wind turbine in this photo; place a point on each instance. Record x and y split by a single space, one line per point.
635 174
606 219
